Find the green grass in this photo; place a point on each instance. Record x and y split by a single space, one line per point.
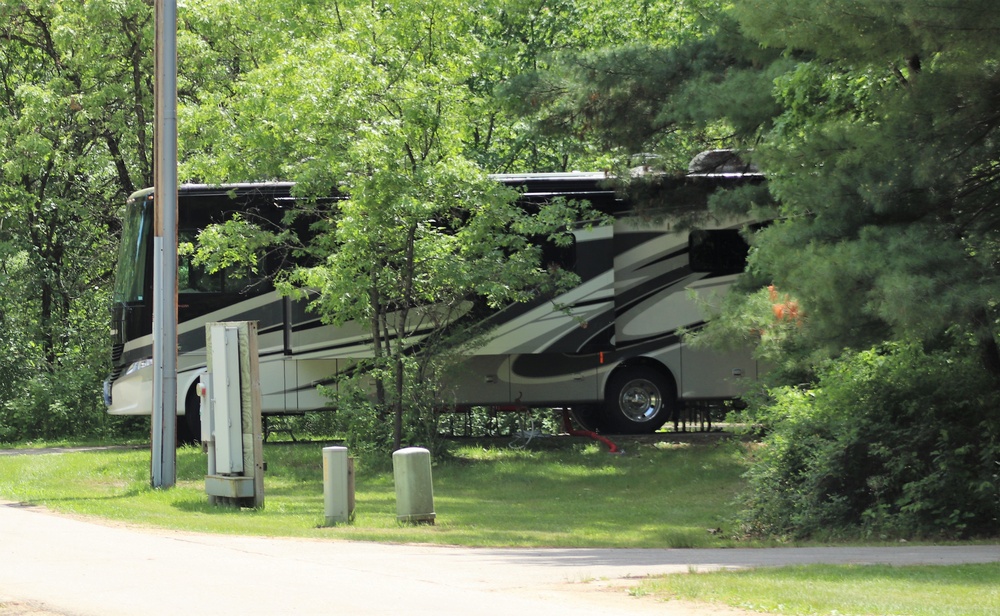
876 590
567 495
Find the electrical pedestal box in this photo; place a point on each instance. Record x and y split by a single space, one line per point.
231 423
411 469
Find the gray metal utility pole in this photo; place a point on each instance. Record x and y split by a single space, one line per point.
164 422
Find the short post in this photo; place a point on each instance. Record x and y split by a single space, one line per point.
411 469
338 493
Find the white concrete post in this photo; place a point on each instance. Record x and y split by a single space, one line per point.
336 485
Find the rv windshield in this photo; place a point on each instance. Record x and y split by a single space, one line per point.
130 276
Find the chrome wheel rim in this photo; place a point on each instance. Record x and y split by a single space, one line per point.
640 400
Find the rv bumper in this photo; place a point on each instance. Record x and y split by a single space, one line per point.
132 393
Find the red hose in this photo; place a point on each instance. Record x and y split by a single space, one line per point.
568 425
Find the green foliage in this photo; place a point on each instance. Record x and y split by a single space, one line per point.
367 426
881 158
235 244
665 97
894 442
374 99
74 140
875 123
55 405
519 37
367 430
375 105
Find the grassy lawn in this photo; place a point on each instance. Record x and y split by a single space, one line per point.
573 494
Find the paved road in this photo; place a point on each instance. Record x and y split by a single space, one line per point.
51 564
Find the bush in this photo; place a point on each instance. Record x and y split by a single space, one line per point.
368 429
892 442
62 405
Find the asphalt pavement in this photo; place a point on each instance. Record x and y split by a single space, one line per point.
53 564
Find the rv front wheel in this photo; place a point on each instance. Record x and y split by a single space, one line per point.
189 424
639 400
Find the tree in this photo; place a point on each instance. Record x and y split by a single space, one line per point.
884 159
523 37
72 129
377 108
875 122
698 84
903 133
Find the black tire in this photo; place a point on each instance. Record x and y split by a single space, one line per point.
189 424
639 400
589 417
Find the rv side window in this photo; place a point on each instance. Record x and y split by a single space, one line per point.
193 278
556 256
717 251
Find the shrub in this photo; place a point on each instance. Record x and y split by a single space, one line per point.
66 404
891 442
368 427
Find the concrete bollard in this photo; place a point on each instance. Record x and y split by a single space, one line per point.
338 488
411 469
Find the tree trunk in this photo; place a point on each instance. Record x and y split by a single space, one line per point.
989 351
376 325
397 423
402 331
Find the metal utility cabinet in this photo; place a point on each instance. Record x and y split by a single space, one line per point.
231 415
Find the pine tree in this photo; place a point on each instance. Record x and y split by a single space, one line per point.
876 123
